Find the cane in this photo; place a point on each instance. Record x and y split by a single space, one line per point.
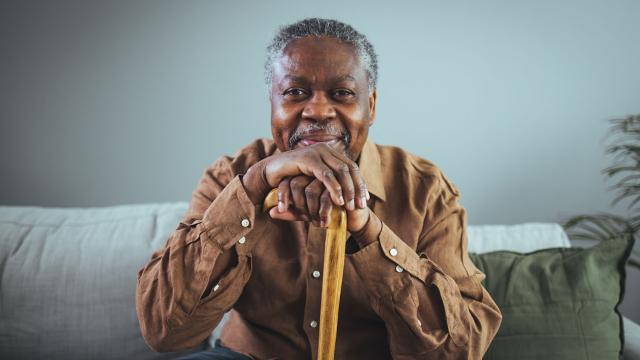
333 268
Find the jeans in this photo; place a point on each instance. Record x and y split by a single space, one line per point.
219 352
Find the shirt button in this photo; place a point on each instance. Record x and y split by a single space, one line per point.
314 324
216 287
242 240
399 268
315 274
245 223
393 251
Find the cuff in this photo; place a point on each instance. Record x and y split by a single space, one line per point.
383 263
370 232
230 217
384 266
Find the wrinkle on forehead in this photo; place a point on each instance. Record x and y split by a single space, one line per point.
322 54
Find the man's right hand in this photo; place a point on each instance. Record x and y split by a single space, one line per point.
339 174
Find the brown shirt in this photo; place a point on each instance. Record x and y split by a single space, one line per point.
411 293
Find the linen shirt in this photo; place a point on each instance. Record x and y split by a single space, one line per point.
411 293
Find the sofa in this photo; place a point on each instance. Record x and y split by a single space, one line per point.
68 277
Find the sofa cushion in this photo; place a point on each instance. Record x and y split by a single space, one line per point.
521 237
68 279
557 303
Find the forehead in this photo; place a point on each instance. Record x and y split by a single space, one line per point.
318 58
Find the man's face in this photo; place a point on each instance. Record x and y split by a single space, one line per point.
319 94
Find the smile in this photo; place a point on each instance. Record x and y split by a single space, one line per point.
307 142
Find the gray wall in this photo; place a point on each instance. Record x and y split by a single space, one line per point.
118 102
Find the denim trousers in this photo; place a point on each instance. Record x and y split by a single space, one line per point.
219 352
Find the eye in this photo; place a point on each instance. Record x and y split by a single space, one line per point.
343 93
295 92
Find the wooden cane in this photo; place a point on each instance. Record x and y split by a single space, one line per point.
333 269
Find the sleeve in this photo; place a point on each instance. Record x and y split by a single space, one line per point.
177 303
430 298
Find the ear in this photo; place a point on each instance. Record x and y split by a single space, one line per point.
372 107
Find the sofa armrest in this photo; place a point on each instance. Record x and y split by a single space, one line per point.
631 340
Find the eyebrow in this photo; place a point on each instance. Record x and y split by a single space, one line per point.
303 79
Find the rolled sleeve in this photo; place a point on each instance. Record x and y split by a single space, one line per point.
430 305
177 304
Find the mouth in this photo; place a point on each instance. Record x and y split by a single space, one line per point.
318 138
336 137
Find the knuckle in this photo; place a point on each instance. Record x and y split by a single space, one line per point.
344 168
295 187
326 206
311 192
296 184
363 187
327 173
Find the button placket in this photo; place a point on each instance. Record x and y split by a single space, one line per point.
315 255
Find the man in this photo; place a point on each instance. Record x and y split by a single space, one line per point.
409 289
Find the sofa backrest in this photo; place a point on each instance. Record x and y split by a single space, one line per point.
68 275
68 279
521 237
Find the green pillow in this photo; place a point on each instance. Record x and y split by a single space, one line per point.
559 303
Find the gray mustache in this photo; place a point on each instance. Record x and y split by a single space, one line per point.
298 134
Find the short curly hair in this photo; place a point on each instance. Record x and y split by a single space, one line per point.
323 27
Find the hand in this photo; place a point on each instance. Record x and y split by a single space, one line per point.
339 175
305 198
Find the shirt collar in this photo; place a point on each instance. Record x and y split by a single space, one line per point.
370 168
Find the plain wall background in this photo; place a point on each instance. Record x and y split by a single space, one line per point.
118 102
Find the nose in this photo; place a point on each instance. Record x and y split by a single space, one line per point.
319 107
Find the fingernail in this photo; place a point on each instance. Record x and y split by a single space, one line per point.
368 196
281 207
341 200
323 223
351 205
363 202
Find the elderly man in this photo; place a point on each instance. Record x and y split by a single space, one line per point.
409 289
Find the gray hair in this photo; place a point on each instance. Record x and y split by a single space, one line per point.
323 27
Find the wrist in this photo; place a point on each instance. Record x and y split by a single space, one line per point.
369 232
255 183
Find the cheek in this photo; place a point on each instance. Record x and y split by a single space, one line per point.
283 123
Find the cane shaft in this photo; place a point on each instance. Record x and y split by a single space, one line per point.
333 270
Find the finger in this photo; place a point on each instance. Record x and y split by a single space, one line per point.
361 193
284 194
298 197
325 174
343 174
313 191
325 208
286 216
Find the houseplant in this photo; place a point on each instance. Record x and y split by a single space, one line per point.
625 175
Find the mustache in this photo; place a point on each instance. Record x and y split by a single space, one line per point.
332 130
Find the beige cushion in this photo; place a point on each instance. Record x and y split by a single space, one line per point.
68 279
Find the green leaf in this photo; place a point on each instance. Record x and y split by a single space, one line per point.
600 227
